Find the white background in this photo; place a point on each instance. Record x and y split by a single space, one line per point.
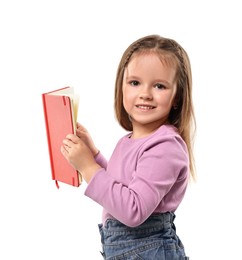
49 44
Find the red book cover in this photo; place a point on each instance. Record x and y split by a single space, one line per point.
60 120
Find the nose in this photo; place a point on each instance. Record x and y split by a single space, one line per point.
145 94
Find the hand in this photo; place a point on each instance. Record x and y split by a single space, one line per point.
79 156
82 132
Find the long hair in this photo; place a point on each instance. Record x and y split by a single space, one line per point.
182 115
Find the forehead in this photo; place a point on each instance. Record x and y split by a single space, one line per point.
166 58
152 64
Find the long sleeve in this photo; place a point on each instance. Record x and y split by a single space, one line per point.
100 159
142 177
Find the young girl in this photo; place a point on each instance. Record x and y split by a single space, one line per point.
144 181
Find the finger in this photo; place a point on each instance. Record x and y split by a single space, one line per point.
64 150
80 133
78 125
81 127
72 138
67 143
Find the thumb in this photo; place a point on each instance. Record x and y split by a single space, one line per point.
81 127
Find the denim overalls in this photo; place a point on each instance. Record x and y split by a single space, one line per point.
155 239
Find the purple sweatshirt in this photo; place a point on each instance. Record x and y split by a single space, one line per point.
143 176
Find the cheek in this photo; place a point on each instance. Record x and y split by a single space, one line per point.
127 97
126 102
167 100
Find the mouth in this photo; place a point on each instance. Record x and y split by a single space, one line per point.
145 107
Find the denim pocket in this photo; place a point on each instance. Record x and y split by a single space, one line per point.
147 251
152 251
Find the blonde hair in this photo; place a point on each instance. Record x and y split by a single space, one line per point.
182 116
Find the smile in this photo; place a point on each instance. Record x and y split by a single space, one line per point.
145 107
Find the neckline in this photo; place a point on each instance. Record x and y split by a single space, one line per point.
129 135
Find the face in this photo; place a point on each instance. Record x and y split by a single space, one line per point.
149 89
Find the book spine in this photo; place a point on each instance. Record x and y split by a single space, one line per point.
48 136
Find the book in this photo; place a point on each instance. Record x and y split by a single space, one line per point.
60 113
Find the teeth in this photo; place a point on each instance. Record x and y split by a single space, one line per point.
145 107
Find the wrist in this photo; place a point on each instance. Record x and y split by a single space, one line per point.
88 172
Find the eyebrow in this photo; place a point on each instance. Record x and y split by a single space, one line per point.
128 77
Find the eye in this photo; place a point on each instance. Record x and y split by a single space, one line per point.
160 86
134 83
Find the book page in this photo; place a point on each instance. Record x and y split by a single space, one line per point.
75 104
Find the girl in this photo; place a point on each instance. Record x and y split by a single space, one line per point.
146 177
